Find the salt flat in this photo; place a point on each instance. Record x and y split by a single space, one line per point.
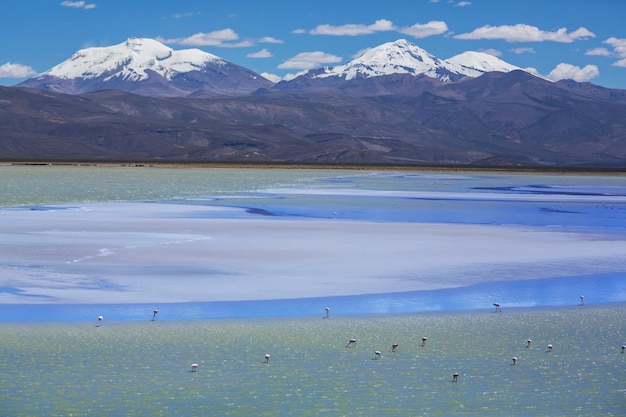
155 252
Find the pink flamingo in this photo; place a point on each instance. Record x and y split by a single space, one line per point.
424 339
394 346
528 343
154 314
194 366
497 306
550 347
351 343
623 348
267 358
514 360
327 311
100 321
455 377
377 354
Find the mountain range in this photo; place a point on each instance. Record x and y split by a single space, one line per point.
395 104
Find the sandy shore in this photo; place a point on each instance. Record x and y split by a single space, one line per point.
349 167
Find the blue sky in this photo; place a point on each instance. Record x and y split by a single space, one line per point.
580 39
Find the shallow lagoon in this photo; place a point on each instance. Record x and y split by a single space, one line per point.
79 242
142 368
534 241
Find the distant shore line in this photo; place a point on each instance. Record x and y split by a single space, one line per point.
326 166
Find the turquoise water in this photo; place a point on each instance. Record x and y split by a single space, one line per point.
143 368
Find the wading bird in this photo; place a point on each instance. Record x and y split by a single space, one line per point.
267 358
455 377
377 354
351 343
497 306
424 339
154 314
194 366
394 346
514 359
100 320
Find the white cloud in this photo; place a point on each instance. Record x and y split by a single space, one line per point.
620 63
572 72
78 5
599 52
182 15
221 38
619 50
463 3
520 51
418 30
263 53
269 39
298 31
491 51
11 70
381 25
526 33
308 60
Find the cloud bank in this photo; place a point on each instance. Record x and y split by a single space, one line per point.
11 70
525 33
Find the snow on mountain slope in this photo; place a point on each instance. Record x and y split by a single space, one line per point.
404 57
130 60
475 64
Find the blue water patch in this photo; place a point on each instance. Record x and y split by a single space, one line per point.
565 291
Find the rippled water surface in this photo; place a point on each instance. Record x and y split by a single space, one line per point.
397 256
143 368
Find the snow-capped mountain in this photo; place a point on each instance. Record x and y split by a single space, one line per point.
404 57
146 66
475 64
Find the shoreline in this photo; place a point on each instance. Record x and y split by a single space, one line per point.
325 166
162 318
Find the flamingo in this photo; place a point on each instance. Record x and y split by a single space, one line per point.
377 354
550 347
514 360
424 339
582 300
100 320
497 306
528 343
327 311
623 348
154 314
351 343
194 366
455 377
267 358
394 346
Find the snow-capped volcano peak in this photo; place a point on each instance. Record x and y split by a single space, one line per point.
399 57
404 57
130 60
480 62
